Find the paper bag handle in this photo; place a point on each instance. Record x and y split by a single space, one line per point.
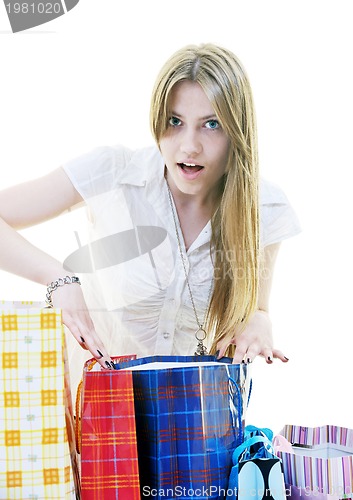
280 443
78 405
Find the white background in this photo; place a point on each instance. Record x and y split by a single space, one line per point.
85 79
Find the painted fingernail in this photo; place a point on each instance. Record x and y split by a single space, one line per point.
243 361
285 357
248 360
101 355
269 359
107 364
112 365
82 340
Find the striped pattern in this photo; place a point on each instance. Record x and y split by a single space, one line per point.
109 464
186 429
37 456
313 470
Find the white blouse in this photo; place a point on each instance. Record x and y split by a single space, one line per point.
132 274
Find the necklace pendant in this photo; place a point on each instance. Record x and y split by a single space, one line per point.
201 349
200 335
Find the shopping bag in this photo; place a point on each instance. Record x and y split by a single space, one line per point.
256 473
38 460
189 418
320 463
107 436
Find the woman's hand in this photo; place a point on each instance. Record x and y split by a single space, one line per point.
254 340
28 204
76 317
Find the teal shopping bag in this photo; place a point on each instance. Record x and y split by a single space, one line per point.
257 471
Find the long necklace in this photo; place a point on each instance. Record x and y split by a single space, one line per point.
200 333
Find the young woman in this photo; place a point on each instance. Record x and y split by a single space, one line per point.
184 236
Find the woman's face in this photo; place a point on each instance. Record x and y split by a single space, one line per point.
195 148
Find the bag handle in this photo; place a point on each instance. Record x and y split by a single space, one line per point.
235 401
249 429
78 404
280 443
78 426
246 444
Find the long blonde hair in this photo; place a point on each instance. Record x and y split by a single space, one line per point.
235 223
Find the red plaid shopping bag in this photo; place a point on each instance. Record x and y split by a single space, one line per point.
109 464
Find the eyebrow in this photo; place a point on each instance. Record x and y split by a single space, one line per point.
203 118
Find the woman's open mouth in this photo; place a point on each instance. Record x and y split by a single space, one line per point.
191 170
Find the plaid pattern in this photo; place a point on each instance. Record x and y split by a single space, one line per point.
109 464
35 462
311 471
186 429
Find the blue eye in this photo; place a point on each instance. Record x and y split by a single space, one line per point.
174 121
212 124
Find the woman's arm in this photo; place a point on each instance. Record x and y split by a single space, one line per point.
256 338
26 205
31 203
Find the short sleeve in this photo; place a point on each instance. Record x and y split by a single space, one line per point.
278 220
97 171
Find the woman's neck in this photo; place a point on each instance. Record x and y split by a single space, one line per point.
193 212
205 203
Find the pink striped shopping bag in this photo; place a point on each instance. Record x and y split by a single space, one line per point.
320 463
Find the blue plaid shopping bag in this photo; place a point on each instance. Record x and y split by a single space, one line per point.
189 419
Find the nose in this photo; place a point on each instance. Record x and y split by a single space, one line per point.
190 144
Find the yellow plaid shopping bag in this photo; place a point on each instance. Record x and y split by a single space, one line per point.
38 458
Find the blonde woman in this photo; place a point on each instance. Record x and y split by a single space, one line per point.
183 235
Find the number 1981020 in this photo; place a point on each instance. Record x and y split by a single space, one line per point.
34 8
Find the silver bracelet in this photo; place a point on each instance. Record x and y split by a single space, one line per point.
54 285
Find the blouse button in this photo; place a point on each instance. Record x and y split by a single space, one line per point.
166 335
